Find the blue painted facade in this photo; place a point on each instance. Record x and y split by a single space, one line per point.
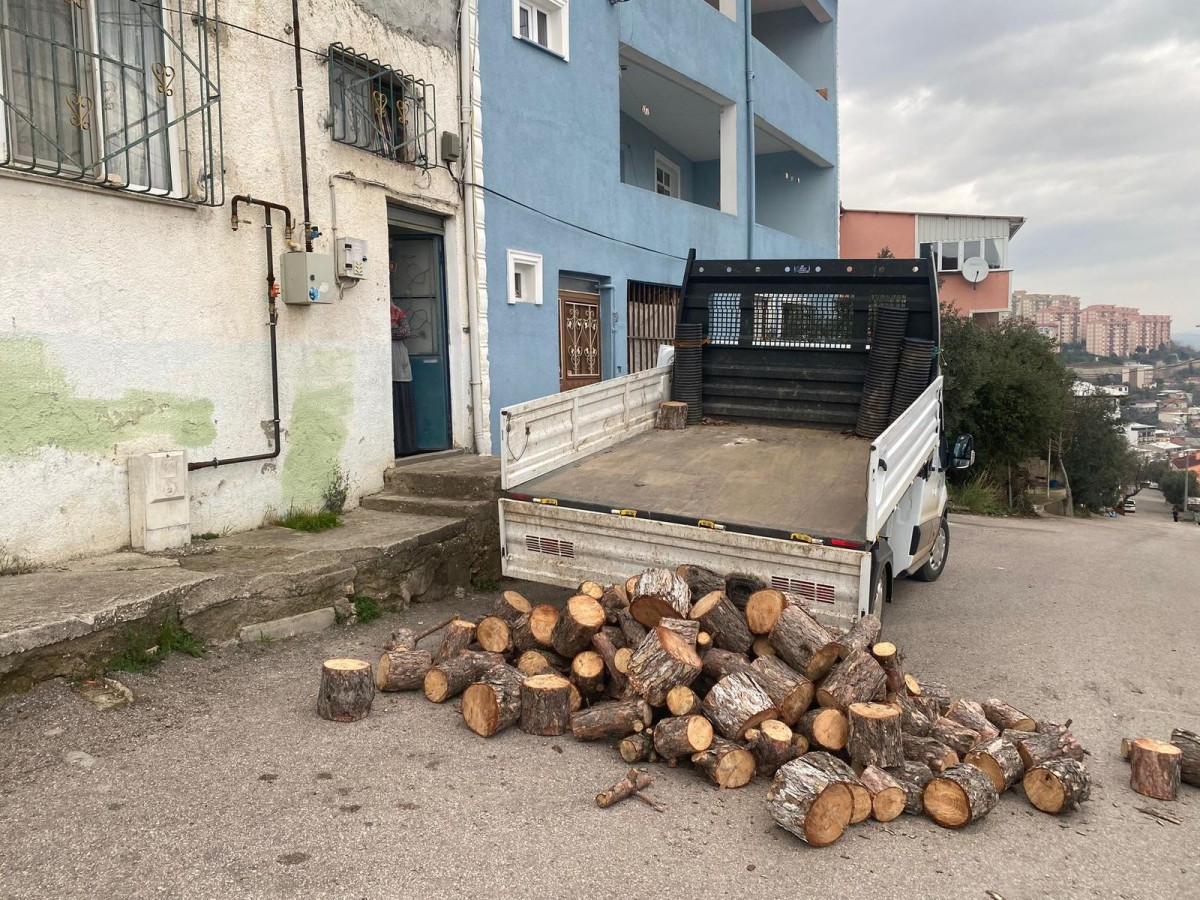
555 139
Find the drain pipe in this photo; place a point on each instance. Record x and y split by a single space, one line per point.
272 319
751 162
300 119
466 67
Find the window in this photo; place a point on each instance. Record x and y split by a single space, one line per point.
524 277
542 22
666 176
377 109
948 256
993 252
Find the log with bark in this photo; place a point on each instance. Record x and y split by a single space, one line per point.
687 629
790 691
682 736
657 593
803 643
511 606
633 630
534 630
1004 716
581 618
1188 743
452 677
957 737
771 745
738 588
633 782
930 752
458 637
809 803
840 770
662 661
1154 768
614 600
614 719
637 747
929 707
970 714
825 729
402 670
546 705
592 589
587 674
1058 786
937 692
346 691
861 636
912 719
1036 748
913 776
671 416
682 701
763 609
720 618
887 655
737 703
493 634
726 764
540 662
856 679
762 647
494 703
959 796
603 644
874 736
999 760
407 639
799 745
719 663
888 796
700 581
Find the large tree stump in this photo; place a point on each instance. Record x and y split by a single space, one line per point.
581 618
682 736
493 634
725 763
803 643
857 679
913 776
959 796
912 719
790 691
587 673
837 768
402 670
861 636
1004 716
494 703
1058 786
719 663
671 416
662 661
458 637
682 701
809 803
546 705
347 690
763 609
657 593
452 677
874 737
701 581
614 719
636 747
1188 743
1154 768
511 606
999 760
888 796
970 714
604 645
720 618
633 630
771 744
737 703
687 629
826 729
957 737
930 752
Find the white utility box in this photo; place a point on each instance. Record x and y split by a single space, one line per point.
159 511
352 258
308 278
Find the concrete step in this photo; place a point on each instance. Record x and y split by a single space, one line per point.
413 504
460 477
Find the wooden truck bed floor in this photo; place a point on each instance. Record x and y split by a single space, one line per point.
778 478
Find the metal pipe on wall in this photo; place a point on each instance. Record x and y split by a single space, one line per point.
751 162
300 119
466 66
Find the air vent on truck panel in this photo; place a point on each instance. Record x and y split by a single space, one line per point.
550 546
809 590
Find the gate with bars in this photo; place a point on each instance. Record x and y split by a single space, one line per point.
652 311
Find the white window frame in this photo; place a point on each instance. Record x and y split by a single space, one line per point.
670 168
528 267
959 253
558 22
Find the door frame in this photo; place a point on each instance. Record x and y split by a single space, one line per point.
579 298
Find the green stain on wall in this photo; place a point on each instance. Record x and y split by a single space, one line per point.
317 429
39 408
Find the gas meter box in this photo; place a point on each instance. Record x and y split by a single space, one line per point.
308 278
352 258
159 511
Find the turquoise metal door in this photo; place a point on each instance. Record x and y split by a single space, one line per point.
418 288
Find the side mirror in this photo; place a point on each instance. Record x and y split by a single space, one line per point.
963 454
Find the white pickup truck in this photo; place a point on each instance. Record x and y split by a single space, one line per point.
774 484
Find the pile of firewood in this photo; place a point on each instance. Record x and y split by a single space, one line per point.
741 680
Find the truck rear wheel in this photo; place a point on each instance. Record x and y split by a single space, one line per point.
934 566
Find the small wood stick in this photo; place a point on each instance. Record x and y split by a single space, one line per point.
657 807
438 627
630 784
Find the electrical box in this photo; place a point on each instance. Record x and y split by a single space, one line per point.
308 278
451 146
159 511
352 258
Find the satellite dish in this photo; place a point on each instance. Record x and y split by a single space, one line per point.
975 269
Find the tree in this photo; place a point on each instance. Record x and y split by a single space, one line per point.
1155 470
1096 455
1172 486
885 253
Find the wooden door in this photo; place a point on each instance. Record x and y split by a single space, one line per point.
578 339
653 309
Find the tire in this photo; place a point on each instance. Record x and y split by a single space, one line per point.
936 564
880 591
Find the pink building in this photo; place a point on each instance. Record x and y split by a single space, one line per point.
950 240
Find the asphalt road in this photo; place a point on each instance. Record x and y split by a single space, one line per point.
221 781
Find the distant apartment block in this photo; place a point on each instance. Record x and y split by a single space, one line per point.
1108 330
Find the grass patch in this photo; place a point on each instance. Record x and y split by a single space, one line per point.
13 564
366 609
484 584
981 495
145 649
207 536
306 520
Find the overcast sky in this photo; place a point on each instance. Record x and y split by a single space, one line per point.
1081 115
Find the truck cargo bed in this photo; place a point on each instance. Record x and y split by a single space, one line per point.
769 478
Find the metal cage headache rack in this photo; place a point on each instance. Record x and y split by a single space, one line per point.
120 94
375 108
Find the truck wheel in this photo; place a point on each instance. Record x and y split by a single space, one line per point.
879 591
932 570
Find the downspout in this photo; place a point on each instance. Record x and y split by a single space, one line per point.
466 67
751 164
300 120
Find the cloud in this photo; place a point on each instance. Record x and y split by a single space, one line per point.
1082 116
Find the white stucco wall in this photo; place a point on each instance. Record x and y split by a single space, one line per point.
110 295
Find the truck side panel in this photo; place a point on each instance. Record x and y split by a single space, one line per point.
899 454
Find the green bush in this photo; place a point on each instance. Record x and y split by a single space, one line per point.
980 495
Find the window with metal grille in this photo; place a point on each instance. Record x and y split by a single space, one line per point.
375 108
724 318
652 312
803 320
122 94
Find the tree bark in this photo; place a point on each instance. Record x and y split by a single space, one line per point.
874 737
637 747
592 589
1058 786
546 705
999 760
347 690
888 796
511 606
493 704
671 416
633 782
402 670
580 619
887 655
913 776
1004 716
682 701
791 692
1188 743
457 638
657 593
970 715
662 661
912 719
682 736
493 634
763 609
535 630
614 600
720 618
809 803
688 629
540 662
701 581
587 674
857 679
771 745
959 796
633 630
837 768
615 719
1154 768
932 753
617 681
957 737
937 692
719 663
726 764
861 636
737 703
825 729
803 644
1036 749
451 678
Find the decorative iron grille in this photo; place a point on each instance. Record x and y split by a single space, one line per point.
375 108
121 94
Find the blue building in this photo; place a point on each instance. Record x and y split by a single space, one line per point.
616 135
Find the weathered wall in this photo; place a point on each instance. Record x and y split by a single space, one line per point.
134 325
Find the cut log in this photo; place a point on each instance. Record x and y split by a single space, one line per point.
959 796
799 745
887 655
1036 749
633 782
719 663
762 647
809 803
913 776
703 641
911 686
861 636
657 593
636 747
662 661
726 764
856 679
723 621
457 638
738 588
763 609
493 634
576 699
591 589
534 631
874 737
737 703
682 701
957 737
671 416
494 703
614 719
687 629
587 674
1154 768
803 643
701 581
402 670
452 677
621 660
938 692
1004 716
771 745
401 639
999 760
929 707
930 752
790 691
970 714
888 796
347 690
912 719
546 705
1058 786
511 606
540 662
826 729
604 645
1188 743
614 600
633 630
581 618
838 769
682 736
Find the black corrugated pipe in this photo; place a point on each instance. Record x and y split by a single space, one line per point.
272 319
300 118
